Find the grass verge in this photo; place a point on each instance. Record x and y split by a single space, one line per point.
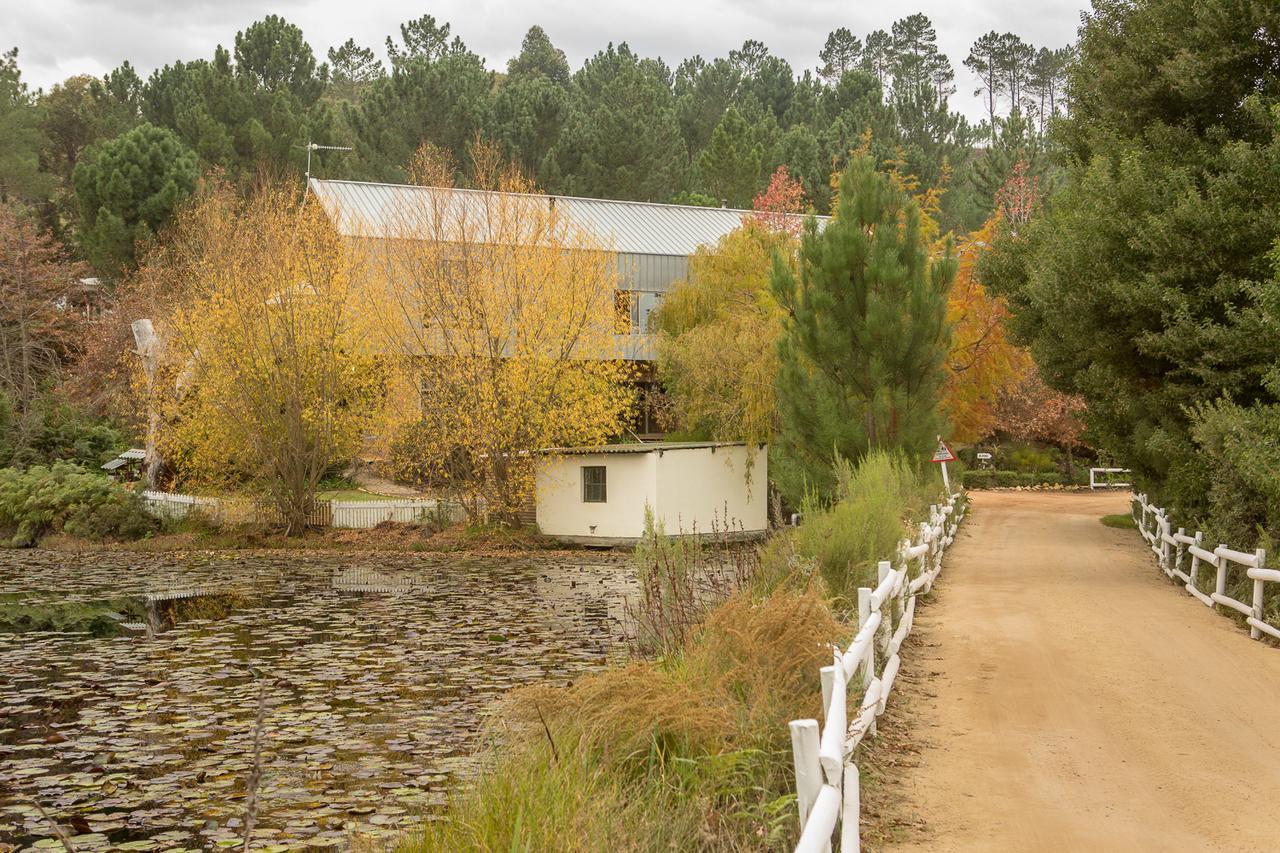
1121 521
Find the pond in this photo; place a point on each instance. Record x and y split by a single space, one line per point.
130 686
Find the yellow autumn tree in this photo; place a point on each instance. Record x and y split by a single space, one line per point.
982 361
497 315
264 380
718 333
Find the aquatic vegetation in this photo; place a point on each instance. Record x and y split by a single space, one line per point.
378 671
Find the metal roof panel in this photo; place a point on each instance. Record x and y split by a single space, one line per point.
646 228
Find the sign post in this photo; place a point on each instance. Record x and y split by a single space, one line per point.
944 455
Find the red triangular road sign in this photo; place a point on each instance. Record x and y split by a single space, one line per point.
943 453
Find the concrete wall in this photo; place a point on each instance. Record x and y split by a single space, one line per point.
689 489
562 512
702 488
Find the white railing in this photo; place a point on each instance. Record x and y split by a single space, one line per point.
360 515
1106 482
1173 547
173 506
827 781
363 515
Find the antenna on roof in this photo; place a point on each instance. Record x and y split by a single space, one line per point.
312 146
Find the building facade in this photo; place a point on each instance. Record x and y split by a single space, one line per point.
600 495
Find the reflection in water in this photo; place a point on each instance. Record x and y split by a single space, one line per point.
378 673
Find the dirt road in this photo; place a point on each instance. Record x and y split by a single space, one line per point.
1067 697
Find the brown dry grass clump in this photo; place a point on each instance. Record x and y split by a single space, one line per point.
688 753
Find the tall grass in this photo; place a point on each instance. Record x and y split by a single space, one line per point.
681 579
685 754
689 751
876 502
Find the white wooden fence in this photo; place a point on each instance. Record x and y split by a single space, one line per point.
1105 481
360 515
827 781
1173 548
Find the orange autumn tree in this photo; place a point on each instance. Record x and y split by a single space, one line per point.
982 361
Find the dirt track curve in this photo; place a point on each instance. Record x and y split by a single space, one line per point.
1068 697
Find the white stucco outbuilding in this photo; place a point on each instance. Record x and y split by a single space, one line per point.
598 495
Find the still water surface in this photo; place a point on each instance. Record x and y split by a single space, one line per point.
130 684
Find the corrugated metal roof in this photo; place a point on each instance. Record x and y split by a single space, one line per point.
643 228
636 447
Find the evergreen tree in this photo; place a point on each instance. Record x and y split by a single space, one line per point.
864 334
623 140
274 57
248 116
538 57
842 52
351 69
878 56
731 167
20 175
443 100
1015 142
527 115
703 90
421 38
916 60
984 61
127 187
1143 287
1014 59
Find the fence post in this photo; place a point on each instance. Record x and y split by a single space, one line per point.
1194 570
1258 592
851 814
804 757
869 669
1181 548
1220 583
886 613
828 674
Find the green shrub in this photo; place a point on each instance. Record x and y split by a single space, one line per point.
53 430
1238 472
1026 459
988 479
865 524
70 499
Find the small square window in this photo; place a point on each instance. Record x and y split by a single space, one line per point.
594 490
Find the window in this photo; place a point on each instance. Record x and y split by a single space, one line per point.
594 490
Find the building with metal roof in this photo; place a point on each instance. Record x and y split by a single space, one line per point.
652 242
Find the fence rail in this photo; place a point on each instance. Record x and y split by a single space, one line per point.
1172 548
358 515
828 788
1105 481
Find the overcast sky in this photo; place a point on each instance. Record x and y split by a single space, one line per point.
58 38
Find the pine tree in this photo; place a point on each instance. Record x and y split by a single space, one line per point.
983 60
842 52
864 336
20 175
351 68
538 57
730 166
